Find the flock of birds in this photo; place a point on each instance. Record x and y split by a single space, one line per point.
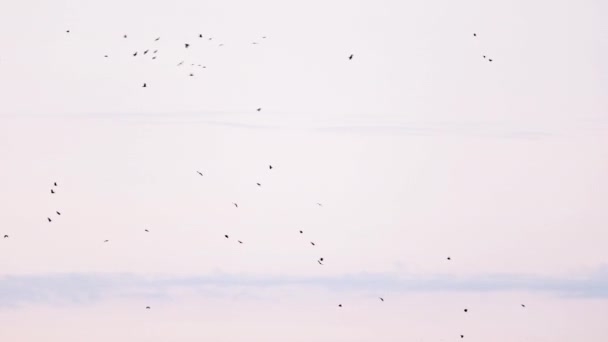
270 167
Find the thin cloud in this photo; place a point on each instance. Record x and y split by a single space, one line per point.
89 288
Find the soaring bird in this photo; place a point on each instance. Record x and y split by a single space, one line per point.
484 56
449 258
125 36
187 45
461 336
382 299
154 57
236 205
240 241
490 59
466 310
157 39
474 34
339 305
200 173
312 243
145 52
180 63
191 74
350 57
301 232
523 306
106 241
48 218
270 167
52 191
226 236
147 307
135 54
67 31
319 204
6 236
58 213
55 184
200 36
258 184
146 230
144 85
105 56
319 261
155 51
259 109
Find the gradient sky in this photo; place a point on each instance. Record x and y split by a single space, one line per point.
418 149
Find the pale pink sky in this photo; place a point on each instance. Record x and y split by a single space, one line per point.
417 148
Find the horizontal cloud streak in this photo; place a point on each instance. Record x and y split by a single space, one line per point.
88 288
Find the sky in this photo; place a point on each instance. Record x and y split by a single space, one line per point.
418 149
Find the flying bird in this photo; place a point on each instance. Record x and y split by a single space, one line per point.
125 36
147 307
52 191
200 173
180 63
55 184
382 299
258 184
48 218
226 236
236 205
157 39
484 56
319 204
145 52
6 236
146 230
466 310
106 241
301 232
191 74
135 54
106 56
200 36
350 57
144 85
312 243
523 306
154 57
449 258
270 167
259 109
187 45
319 261
58 213
461 336
240 241
490 59
67 31
339 305
474 34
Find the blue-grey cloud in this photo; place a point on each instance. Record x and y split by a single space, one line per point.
88 288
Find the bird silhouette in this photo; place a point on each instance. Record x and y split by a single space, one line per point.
466 310
319 204
226 236
105 56
157 39
55 184
48 218
52 191
319 261
339 305
67 31
135 54
155 51
270 167
200 173
449 258
180 63
240 241
484 56
382 299
186 45
58 213
200 36
259 109
144 86
6 236
312 243
236 205
145 52
301 232
146 230
106 241
154 57
258 184
474 34
461 336
351 57
191 74
523 306
147 307
125 36
490 59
